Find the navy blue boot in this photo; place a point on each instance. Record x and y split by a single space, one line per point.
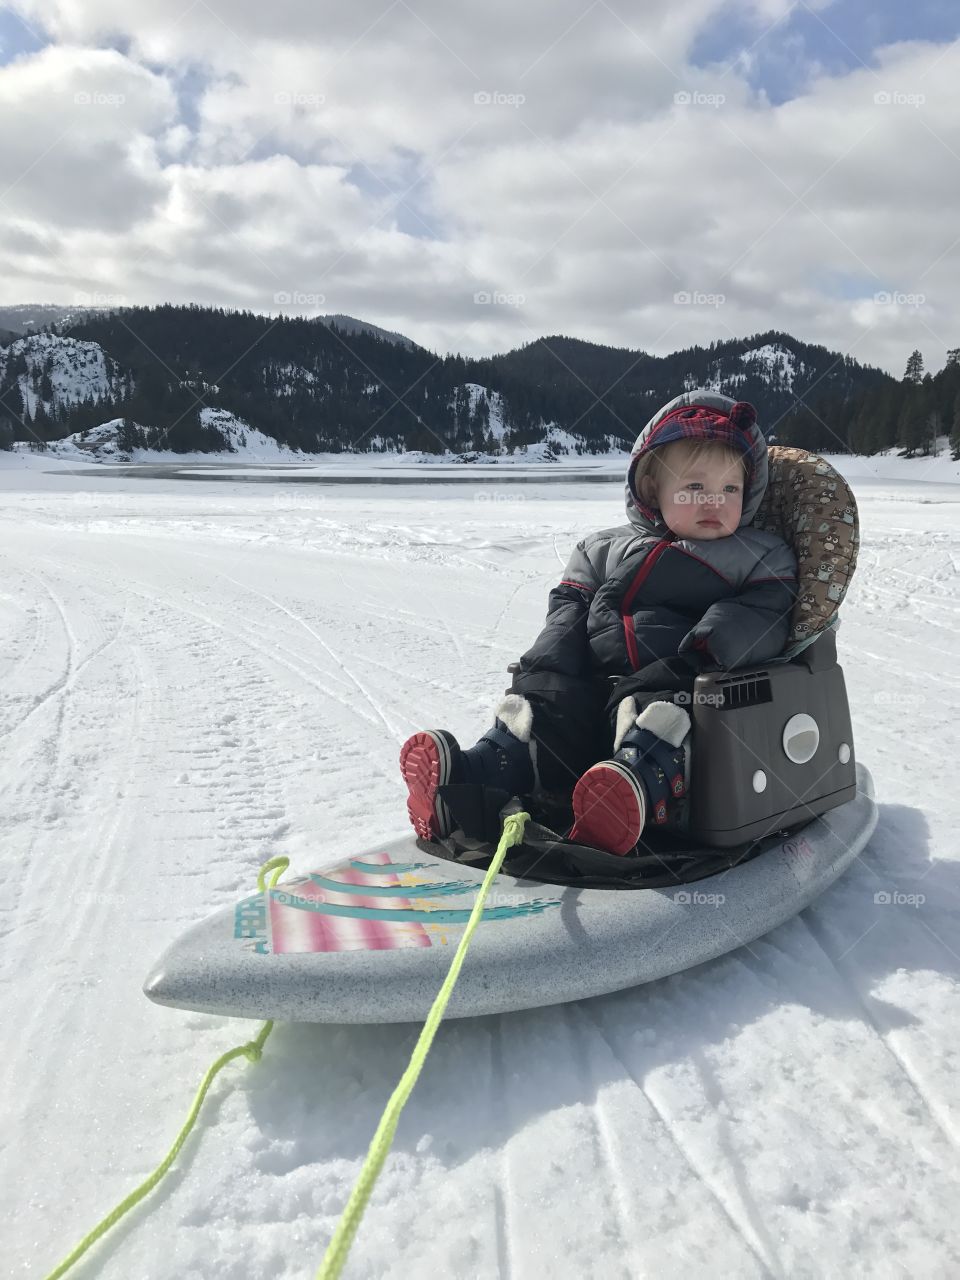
433 757
615 799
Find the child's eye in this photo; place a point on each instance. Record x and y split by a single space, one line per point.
694 484
732 488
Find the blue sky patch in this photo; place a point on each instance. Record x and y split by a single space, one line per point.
781 58
18 36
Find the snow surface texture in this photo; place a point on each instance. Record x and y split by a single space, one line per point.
197 675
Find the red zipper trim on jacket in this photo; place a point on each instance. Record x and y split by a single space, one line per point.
629 631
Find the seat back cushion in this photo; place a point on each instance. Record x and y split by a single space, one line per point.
810 505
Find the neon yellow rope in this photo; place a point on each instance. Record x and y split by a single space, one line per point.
339 1247
253 1051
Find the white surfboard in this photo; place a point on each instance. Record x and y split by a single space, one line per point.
370 939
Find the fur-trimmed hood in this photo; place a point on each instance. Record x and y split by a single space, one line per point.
701 415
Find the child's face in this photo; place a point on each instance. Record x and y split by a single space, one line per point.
699 496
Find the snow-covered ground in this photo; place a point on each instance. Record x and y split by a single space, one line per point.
197 675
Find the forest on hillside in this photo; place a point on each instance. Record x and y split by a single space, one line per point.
320 389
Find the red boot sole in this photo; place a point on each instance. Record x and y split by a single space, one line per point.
425 765
609 809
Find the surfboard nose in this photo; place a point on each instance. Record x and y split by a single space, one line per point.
160 986
178 977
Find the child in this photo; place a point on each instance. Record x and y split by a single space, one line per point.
686 586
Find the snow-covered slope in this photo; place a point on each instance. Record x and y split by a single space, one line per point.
244 441
198 676
77 371
101 444
773 362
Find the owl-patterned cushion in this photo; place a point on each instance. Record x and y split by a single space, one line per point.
810 505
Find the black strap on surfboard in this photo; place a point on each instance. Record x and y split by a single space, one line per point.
660 860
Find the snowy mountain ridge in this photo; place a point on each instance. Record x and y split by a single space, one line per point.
319 392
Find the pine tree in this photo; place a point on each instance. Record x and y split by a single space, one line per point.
11 409
859 432
931 415
886 426
914 370
955 431
479 423
912 425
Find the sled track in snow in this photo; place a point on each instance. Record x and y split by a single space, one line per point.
605 1154
82 902
393 732
740 1218
269 657
501 1187
24 660
49 744
808 918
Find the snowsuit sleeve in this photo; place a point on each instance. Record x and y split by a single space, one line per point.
563 646
555 675
753 625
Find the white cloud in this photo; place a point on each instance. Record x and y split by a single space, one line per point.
71 148
342 154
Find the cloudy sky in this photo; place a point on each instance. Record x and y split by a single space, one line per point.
478 176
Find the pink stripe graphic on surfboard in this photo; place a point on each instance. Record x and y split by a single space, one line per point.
296 930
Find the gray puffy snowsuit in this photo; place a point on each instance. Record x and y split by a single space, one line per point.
639 611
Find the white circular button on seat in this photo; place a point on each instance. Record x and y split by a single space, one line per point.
843 755
759 781
801 737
